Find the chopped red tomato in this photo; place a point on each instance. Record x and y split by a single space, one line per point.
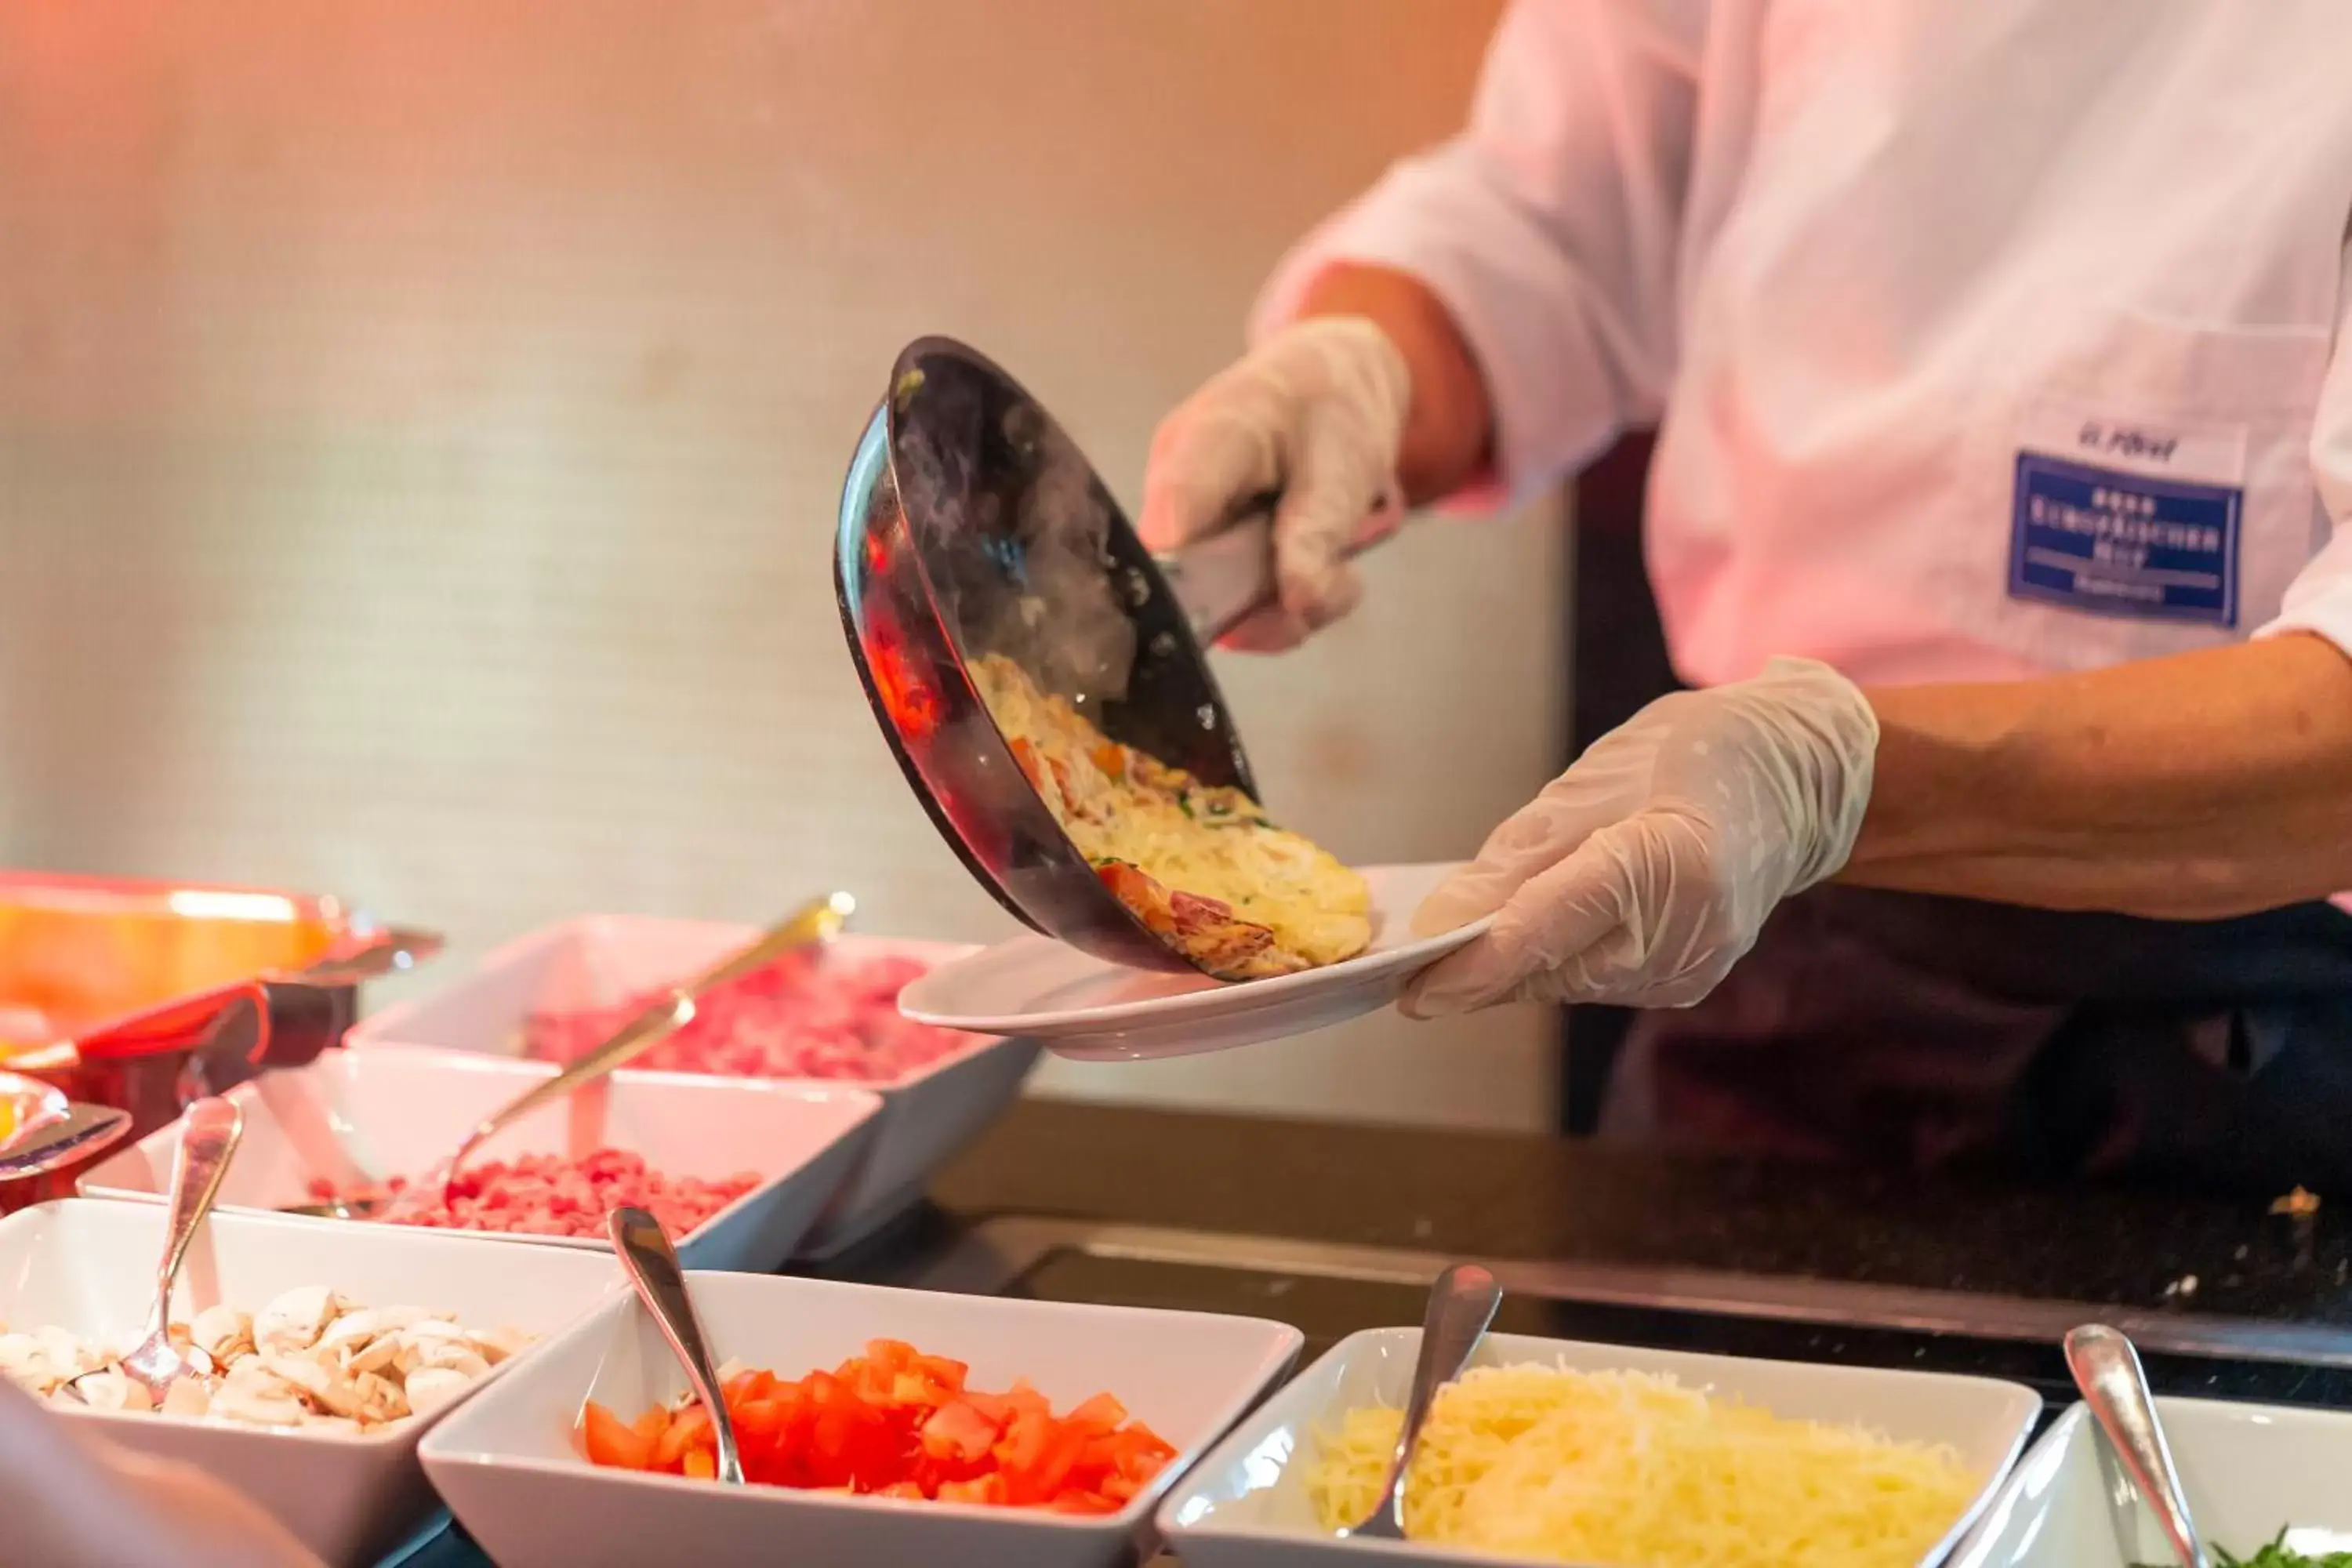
612 1441
894 1422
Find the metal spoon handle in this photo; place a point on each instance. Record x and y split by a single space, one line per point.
1461 1305
818 921
2107 1370
209 1130
653 1268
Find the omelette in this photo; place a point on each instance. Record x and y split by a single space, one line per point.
1198 864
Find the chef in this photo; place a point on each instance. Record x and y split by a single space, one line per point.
1996 523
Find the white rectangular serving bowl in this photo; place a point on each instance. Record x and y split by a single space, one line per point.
508 1470
403 1113
87 1267
1245 1506
928 1115
2247 1469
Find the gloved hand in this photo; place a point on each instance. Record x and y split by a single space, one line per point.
1641 875
1316 413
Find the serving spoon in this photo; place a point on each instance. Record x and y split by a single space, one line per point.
653 1268
2107 1370
1462 1304
818 921
209 1130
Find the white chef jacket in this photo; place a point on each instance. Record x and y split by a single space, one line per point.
1985 338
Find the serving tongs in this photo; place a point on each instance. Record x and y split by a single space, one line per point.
971 524
42 1131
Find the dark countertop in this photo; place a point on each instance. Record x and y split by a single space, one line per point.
1529 1198
1524 1198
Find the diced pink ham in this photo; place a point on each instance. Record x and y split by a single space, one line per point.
804 1015
546 1194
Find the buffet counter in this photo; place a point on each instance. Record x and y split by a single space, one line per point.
1340 1226
1335 1227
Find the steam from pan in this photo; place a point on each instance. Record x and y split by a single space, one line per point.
1039 586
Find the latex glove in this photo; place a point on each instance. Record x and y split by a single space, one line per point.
1315 414
1641 875
72 1500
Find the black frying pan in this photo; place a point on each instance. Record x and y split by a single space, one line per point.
971 524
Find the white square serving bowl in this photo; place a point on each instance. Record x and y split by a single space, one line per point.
1245 1506
89 1267
402 1113
928 1115
2247 1470
510 1474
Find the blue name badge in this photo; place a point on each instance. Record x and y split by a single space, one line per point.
2118 543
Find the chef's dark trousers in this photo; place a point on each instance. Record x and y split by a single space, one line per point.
1903 1030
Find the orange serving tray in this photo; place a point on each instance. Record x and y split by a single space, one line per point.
144 995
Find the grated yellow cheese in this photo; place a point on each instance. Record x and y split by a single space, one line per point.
1626 1469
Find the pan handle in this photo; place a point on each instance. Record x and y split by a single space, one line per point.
1224 578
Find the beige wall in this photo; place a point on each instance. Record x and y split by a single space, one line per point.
420 427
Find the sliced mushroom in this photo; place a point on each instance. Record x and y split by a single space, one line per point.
222 1332
381 1399
344 1397
375 1356
70 1355
188 1396
461 1359
433 1344
498 1344
431 1387
258 1401
294 1319
361 1327
111 1390
310 1358
24 1360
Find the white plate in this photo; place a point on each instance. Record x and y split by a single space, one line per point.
2247 1470
508 1469
1246 1506
928 1116
400 1112
1082 1006
84 1267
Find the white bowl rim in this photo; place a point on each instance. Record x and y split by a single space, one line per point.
408 1429
374 1032
1138 1510
1959 1533
805 1090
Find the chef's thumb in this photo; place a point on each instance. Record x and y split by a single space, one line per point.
1546 921
1540 834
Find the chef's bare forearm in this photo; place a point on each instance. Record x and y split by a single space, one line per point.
1449 429
2206 784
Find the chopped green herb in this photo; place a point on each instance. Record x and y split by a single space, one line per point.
2275 1555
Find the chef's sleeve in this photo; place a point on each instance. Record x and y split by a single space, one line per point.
1549 229
2319 600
